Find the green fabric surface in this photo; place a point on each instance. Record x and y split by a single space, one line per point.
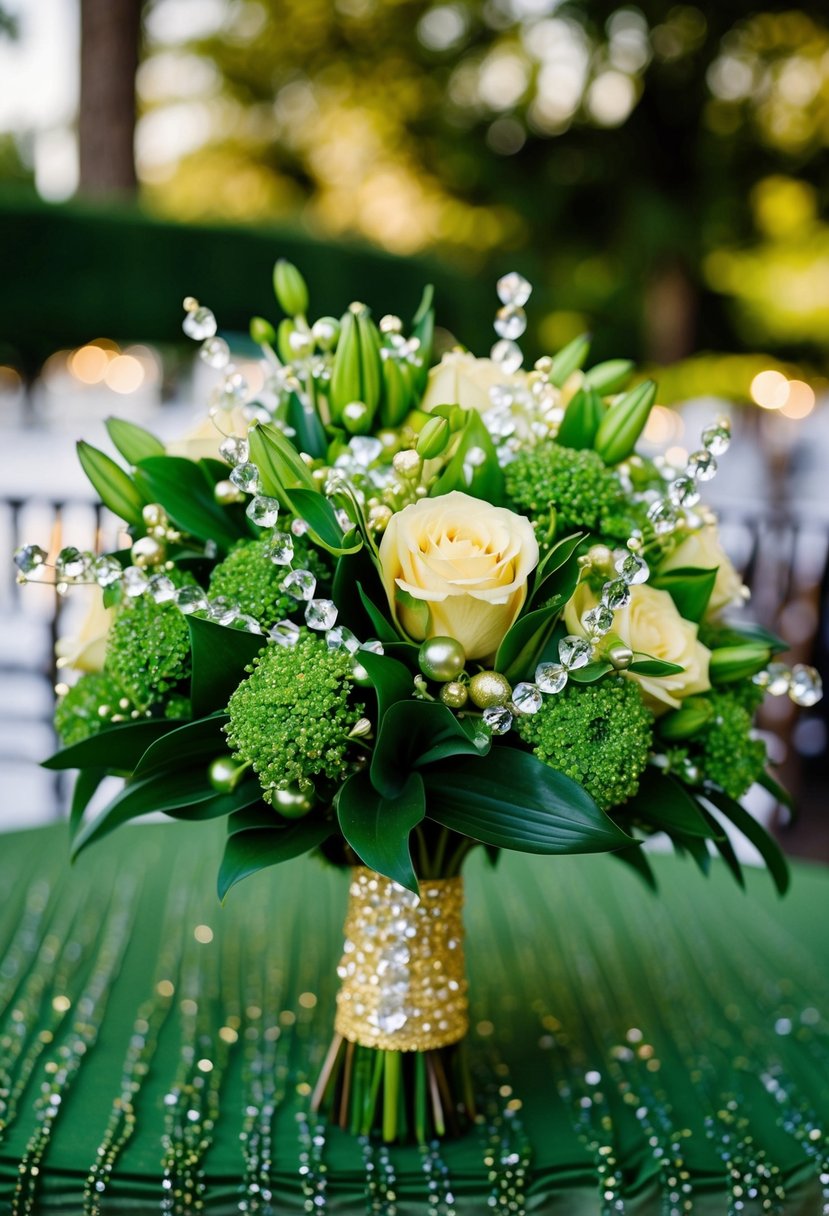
679 1041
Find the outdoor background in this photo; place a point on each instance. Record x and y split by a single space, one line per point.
657 171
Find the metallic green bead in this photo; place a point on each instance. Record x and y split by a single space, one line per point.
441 659
292 802
489 688
224 774
454 694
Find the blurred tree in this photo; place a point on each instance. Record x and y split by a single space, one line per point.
110 36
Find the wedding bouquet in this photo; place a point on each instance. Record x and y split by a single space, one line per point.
392 612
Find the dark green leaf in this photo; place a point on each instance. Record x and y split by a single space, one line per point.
694 845
249 851
739 634
310 433
378 828
116 489
200 740
391 679
591 671
776 790
487 478
322 521
415 733
635 857
687 721
383 627
663 803
646 665
754 832
220 656
725 848
690 588
185 492
511 799
569 359
132 441
118 748
553 561
86 783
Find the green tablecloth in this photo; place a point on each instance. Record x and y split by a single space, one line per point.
634 1054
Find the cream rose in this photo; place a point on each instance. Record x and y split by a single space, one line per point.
86 649
202 443
467 561
652 625
461 379
704 551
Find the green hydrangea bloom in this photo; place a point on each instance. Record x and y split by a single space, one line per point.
248 578
568 490
78 713
598 734
291 717
724 750
148 650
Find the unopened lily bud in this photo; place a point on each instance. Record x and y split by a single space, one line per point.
290 289
262 332
624 422
433 438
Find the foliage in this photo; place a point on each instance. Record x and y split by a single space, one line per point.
724 750
148 651
248 578
563 490
87 707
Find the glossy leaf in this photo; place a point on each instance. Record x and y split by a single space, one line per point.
553 561
322 521
133 441
776 790
86 783
186 493
220 656
310 433
378 828
483 480
247 852
513 800
647 665
118 748
756 834
690 588
383 627
747 632
415 733
392 680
663 803
115 488
591 672
687 721
201 740
635 857
725 849
281 468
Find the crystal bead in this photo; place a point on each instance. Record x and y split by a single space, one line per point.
281 549
633 569
683 492
392 1021
526 698
233 390
806 685
598 621
234 450
663 517
365 449
246 622
574 652
263 511
135 582
550 677
106 571
199 324
616 594
191 599
510 322
513 288
246 477
320 614
779 679
301 584
341 638
215 352
28 557
701 465
70 564
498 718
717 438
223 613
285 633
507 355
161 589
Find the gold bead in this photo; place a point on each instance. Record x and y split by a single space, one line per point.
600 558
154 515
147 551
489 688
225 493
408 464
454 694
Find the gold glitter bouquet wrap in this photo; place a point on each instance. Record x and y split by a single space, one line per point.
402 970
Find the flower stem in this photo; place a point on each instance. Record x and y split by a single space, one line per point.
391 1088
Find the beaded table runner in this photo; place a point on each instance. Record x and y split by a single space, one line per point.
631 1054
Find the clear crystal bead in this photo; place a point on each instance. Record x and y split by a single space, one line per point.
246 622
550 677
684 492
281 549
263 511
285 633
507 355
373 646
806 685
135 582
341 638
246 477
717 438
663 516
633 569
498 718
779 679
71 564
513 288
391 1021
527 698
616 594
215 352
28 557
199 324
574 652
701 465
510 322
191 599
106 570
233 390
598 621
234 450
320 614
301 584
161 589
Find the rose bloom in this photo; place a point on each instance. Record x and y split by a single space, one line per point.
467 561
86 649
461 379
704 551
652 625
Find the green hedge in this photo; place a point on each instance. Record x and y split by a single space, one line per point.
73 272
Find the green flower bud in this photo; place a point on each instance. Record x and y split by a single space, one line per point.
262 332
433 438
569 359
685 722
283 340
609 377
290 289
624 422
731 663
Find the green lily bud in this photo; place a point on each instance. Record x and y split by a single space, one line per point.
397 395
371 368
685 722
283 339
345 373
262 332
325 332
569 359
609 377
582 420
433 438
290 289
731 663
356 418
624 422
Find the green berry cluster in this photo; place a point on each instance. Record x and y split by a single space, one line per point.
598 734
724 750
291 717
148 651
249 579
563 490
88 706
